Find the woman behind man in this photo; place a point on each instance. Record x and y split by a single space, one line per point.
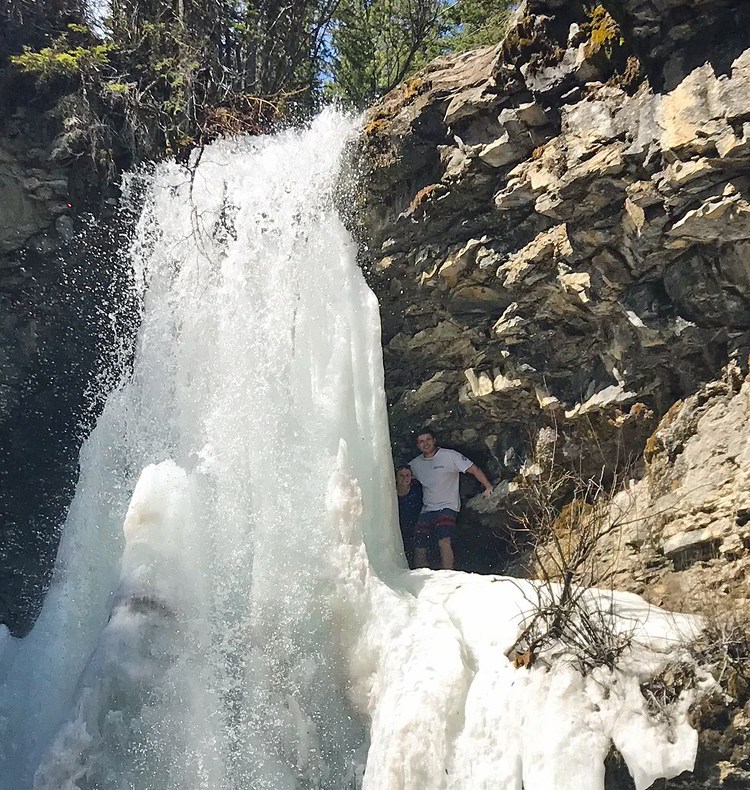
409 507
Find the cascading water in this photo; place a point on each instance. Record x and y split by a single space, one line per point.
252 627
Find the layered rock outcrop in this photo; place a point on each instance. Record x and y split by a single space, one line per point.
558 228
684 542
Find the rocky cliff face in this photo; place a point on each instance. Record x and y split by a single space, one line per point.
62 304
559 228
558 231
684 543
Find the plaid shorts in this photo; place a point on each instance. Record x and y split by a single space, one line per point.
434 525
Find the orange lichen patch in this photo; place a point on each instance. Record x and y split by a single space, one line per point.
631 77
387 111
639 412
570 516
377 124
671 414
540 149
423 195
413 87
654 446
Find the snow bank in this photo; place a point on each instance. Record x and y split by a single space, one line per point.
449 710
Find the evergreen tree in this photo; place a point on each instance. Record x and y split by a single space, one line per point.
375 44
475 23
165 75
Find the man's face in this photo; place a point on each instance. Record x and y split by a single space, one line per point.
426 443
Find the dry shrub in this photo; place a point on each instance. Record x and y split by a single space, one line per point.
723 646
566 547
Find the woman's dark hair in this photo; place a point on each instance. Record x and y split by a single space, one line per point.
403 466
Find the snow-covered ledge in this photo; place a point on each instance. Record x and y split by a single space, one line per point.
449 710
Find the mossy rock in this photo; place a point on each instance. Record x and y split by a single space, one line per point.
376 125
606 47
527 42
604 32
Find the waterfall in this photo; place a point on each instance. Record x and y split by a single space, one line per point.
230 608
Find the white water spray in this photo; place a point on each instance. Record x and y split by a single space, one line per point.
251 626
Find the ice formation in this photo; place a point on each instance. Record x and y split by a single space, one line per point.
230 608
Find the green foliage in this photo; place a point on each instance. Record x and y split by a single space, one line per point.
84 30
118 87
162 75
65 56
375 44
59 59
475 23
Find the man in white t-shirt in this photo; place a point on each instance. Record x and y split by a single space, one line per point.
438 470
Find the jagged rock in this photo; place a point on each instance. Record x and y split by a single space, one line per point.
430 390
609 223
503 151
693 504
725 219
683 541
611 218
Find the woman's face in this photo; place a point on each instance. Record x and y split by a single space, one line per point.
403 477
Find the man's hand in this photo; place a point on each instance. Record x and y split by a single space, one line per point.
479 474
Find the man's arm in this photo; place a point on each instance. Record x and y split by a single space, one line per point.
480 475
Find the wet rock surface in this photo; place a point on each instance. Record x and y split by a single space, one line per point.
63 301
